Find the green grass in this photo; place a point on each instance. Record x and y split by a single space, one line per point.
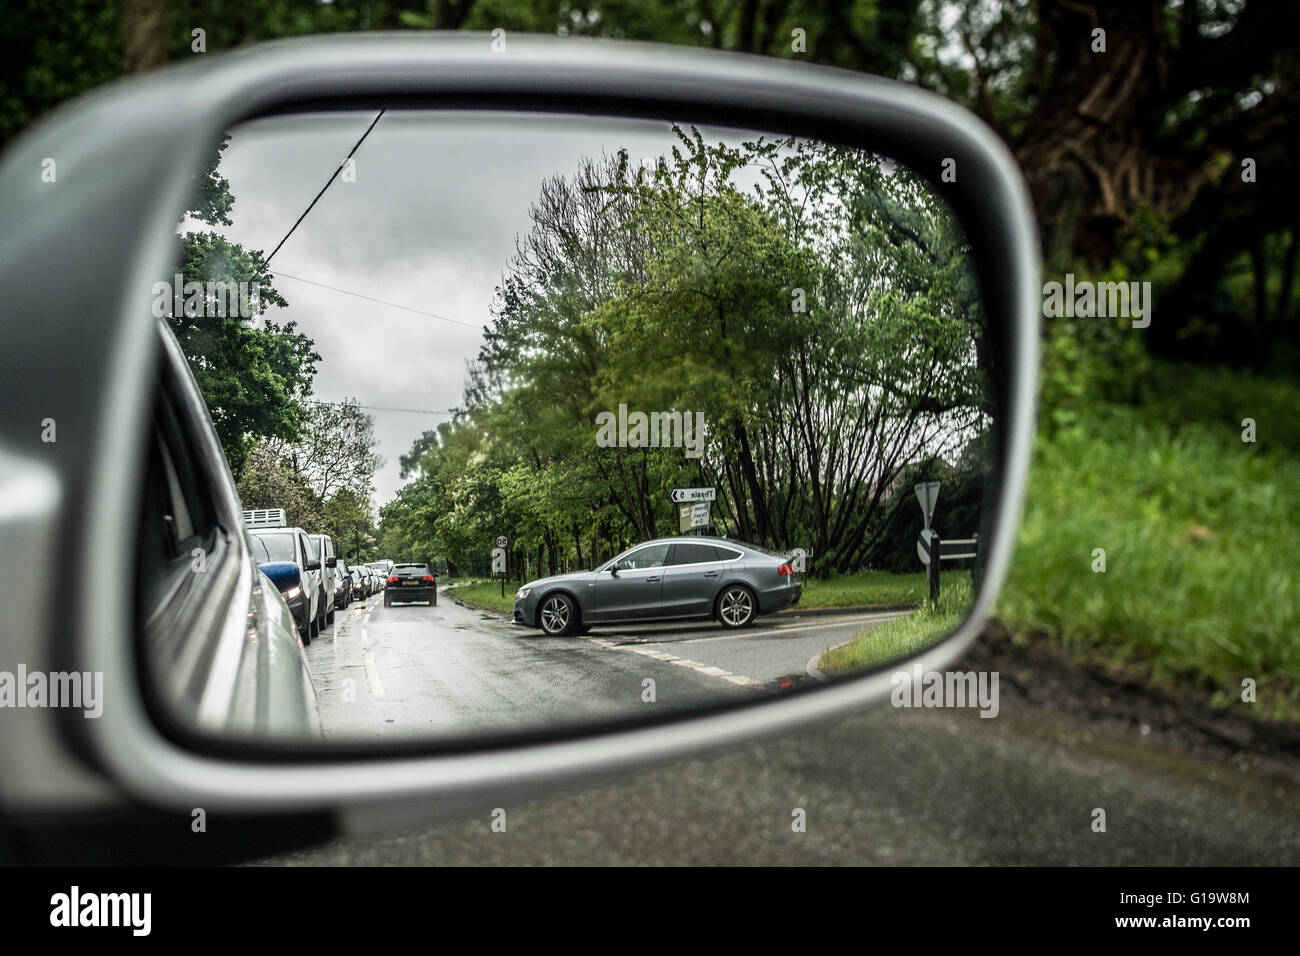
481 593
902 637
1200 532
873 587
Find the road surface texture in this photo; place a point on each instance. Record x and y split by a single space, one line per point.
889 786
410 670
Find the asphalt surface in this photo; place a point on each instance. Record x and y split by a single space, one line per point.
411 670
887 786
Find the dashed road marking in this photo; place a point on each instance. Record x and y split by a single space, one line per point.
709 669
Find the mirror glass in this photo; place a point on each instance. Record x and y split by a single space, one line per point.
602 419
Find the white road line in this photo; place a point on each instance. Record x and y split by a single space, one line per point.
372 676
651 640
708 669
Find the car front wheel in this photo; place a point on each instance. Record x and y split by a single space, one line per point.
736 607
558 616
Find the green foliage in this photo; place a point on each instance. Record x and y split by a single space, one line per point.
823 323
1197 527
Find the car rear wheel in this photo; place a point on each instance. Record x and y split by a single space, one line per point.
558 615
736 607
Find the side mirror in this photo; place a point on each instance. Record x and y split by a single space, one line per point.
331 562
938 164
283 574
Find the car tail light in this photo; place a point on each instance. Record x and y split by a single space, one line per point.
785 570
428 578
393 579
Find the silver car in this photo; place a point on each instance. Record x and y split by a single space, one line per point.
667 579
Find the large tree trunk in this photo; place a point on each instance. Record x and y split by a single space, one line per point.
144 23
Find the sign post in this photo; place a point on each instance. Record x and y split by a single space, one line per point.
694 508
499 559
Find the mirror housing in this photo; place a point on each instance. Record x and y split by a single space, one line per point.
332 562
283 574
126 161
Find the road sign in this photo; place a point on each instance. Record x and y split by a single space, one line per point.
502 541
694 494
923 546
498 560
692 516
927 492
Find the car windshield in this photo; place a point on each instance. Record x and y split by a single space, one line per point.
417 568
274 547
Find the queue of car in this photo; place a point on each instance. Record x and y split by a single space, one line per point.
303 567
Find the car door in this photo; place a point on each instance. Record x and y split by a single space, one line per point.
311 579
632 588
691 579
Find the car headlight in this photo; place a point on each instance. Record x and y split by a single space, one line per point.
293 592
523 592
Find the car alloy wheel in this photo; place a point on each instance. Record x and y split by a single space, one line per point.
736 607
556 615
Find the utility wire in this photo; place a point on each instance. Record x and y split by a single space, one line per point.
383 408
368 298
325 187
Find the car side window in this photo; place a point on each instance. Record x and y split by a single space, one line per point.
694 554
651 556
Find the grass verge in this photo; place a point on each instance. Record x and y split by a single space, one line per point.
1198 532
873 588
481 593
903 637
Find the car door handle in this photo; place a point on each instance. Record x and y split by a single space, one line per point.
651 580
710 574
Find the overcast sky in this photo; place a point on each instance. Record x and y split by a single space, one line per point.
429 224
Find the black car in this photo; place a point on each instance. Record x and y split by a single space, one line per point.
411 582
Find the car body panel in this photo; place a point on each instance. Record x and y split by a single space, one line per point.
669 591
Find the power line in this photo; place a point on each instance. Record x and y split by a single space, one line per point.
325 187
368 298
383 408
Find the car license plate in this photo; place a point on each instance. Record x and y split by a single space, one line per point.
410 583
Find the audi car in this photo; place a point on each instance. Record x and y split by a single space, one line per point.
668 579
411 582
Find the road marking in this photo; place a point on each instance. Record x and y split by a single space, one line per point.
372 676
708 669
630 642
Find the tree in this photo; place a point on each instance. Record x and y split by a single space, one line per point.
269 482
335 451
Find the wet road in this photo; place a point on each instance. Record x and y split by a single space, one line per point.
885 786
415 671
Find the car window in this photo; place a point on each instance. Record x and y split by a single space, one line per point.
651 556
727 554
273 547
694 553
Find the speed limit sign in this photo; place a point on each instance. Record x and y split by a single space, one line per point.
502 541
